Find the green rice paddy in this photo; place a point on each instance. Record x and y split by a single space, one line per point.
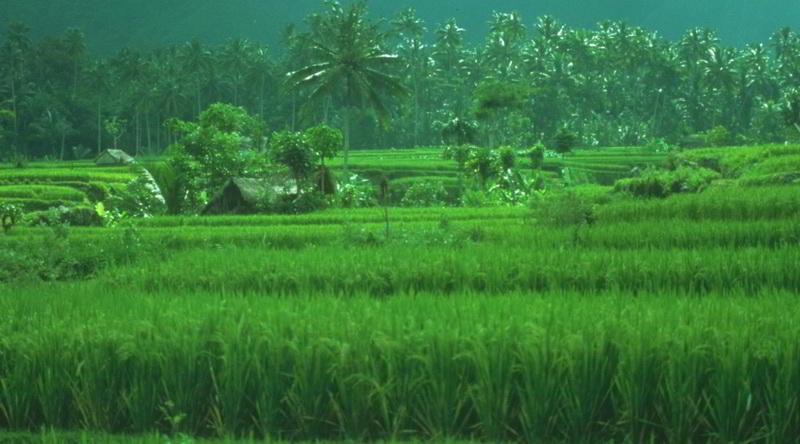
672 320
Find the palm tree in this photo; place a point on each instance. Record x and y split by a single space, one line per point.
195 62
348 64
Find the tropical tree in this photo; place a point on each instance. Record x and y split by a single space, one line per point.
293 150
326 142
348 64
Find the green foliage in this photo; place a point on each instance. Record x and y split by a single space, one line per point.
563 208
564 141
425 194
459 132
460 154
139 198
292 149
506 157
659 183
483 164
115 127
492 97
356 192
97 191
42 192
325 141
10 215
218 143
536 155
718 136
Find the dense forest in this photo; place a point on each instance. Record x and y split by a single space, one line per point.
526 81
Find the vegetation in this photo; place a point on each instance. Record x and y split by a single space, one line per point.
525 282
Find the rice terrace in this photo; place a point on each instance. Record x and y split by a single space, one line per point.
381 232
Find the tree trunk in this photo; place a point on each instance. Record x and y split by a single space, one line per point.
99 126
294 110
137 136
16 113
63 143
416 112
346 137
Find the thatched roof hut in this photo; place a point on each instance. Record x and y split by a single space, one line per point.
242 195
113 157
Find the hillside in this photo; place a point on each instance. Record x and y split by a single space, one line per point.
151 23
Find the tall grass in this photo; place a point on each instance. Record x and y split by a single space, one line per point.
446 269
555 367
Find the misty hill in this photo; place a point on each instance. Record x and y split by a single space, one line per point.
111 25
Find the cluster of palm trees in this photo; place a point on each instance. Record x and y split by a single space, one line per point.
615 84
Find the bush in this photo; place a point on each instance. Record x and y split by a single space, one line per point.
292 204
356 192
536 155
324 179
506 158
80 216
659 184
97 191
563 208
718 136
564 141
10 215
425 194
140 198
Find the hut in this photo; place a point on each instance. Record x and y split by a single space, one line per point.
113 157
242 195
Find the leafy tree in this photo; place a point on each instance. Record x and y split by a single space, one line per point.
293 150
494 101
564 141
483 164
348 64
536 154
218 142
506 158
326 142
115 127
459 132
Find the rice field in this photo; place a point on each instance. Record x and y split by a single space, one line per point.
672 320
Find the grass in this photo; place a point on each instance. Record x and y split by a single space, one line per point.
426 366
43 192
665 320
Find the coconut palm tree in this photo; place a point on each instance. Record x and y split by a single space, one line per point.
348 64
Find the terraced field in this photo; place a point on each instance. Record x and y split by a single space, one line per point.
663 320
42 185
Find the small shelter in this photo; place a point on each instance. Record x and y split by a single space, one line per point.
113 157
242 195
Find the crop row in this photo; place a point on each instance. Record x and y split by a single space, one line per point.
340 216
43 176
503 233
42 192
561 367
451 268
724 202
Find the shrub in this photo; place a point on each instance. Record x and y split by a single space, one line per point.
506 158
563 208
655 183
97 191
564 141
536 155
356 192
425 194
10 215
139 198
718 136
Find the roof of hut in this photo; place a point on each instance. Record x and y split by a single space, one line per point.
114 157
